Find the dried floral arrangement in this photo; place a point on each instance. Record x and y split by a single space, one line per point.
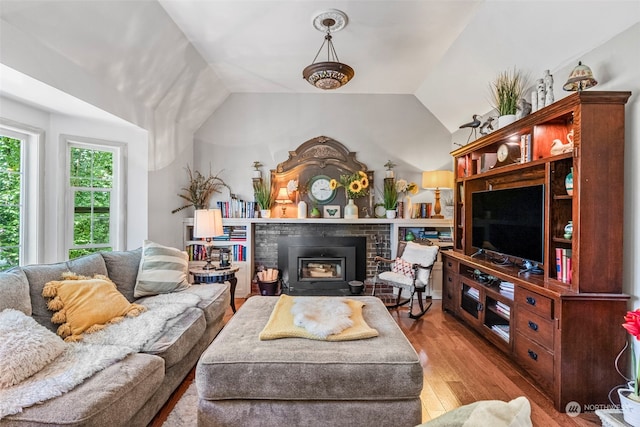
200 189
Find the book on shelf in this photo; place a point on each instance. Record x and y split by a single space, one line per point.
563 265
474 293
525 148
502 331
503 309
237 208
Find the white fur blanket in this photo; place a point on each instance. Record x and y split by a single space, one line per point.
321 316
96 352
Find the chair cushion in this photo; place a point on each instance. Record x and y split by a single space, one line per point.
424 255
123 270
162 270
399 280
14 288
403 267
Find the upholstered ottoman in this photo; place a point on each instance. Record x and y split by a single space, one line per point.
243 381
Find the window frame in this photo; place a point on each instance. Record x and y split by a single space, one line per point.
31 188
118 213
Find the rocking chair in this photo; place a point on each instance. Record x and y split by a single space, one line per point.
410 270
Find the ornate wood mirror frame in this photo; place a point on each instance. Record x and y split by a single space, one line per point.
321 156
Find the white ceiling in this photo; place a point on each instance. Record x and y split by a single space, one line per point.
445 52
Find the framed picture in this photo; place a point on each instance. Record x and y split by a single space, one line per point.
331 211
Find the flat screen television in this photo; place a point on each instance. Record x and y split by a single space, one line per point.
510 222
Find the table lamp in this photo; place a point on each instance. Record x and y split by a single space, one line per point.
436 180
207 223
283 199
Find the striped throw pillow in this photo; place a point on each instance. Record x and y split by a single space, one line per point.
162 270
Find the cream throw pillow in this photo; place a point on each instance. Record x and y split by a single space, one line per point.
162 270
26 347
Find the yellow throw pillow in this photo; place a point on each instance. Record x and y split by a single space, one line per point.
86 305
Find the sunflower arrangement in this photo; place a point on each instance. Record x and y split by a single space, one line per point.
355 185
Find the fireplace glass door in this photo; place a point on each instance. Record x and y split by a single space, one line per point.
321 269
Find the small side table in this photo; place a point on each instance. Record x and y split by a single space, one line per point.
218 276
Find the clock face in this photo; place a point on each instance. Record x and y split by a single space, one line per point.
320 191
503 152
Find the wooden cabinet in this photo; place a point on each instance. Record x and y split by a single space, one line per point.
564 324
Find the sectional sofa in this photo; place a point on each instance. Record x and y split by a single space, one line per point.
131 391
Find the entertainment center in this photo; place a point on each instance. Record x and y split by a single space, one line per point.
550 299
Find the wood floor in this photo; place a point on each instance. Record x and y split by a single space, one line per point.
460 367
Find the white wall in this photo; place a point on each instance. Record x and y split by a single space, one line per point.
265 127
55 125
616 66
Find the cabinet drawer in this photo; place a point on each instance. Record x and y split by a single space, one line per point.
535 327
540 305
450 264
535 357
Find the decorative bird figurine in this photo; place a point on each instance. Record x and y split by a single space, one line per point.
487 127
473 125
557 147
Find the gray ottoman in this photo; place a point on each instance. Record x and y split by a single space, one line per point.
243 381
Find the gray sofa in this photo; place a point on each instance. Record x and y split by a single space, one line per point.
131 391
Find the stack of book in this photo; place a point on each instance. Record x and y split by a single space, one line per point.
563 265
506 289
474 293
445 236
503 309
502 331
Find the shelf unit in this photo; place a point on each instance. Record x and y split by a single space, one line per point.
238 239
551 316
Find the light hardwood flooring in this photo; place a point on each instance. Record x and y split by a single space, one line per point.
460 367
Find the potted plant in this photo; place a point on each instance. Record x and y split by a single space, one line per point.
200 189
630 397
390 198
264 197
506 91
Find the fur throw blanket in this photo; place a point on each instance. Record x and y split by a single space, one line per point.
81 360
321 316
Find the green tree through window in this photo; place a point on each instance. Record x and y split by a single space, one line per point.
11 181
91 181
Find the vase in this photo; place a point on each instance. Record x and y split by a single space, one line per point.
534 101
505 120
351 210
302 209
548 88
568 230
540 92
391 213
630 407
568 183
265 213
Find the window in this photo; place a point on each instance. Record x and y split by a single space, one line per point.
96 219
11 196
20 185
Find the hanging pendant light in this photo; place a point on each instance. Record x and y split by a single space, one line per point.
329 74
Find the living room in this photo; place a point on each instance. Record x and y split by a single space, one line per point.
132 62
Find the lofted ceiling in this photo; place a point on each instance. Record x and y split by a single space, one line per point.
445 52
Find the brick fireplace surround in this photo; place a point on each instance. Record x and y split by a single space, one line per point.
266 237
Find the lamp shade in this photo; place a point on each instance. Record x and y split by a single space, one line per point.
207 223
437 179
283 196
581 78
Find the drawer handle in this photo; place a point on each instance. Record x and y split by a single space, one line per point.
449 264
531 301
449 279
533 354
533 325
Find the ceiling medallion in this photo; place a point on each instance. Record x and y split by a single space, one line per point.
329 74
